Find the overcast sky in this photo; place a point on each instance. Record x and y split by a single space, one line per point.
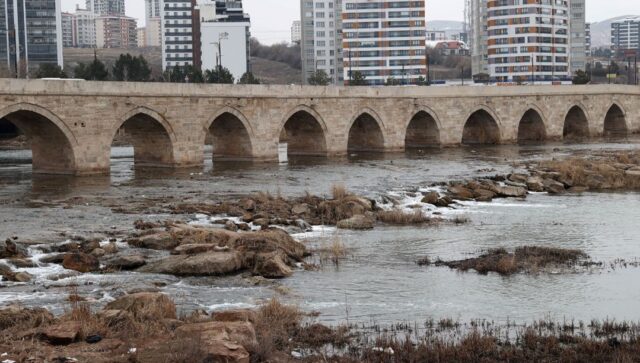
271 19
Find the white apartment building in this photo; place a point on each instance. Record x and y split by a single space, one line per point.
106 7
296 30
528 41
384 39
84 28
436 35
321 39
625 33
67 30
477 20
178 34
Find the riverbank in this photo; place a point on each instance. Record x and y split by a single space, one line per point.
145 327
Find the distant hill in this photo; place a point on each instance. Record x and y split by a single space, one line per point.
601 32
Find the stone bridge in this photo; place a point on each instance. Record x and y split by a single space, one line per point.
72 124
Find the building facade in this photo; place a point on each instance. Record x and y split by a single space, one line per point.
106 7
296 29
321 39
587 40
84 28
30 35
67 30
116 32
142 36
528 42
625 34
476 11
384 39
436 35
153 27
577 41
180 34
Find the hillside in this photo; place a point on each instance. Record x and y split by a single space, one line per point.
272 72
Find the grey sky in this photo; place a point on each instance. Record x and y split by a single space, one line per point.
271 19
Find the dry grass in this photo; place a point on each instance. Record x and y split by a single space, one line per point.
523 259
339 191
398 217
275 324
334 252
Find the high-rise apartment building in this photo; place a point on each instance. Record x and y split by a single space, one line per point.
106 7
115 31
578 31
587 39
477 22
528 41
153 27
518 40
67 30
30 34
84 28
321 39
296 30
384 39
625 34
180 34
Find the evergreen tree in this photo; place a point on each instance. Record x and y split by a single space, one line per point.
94 71
358 79
319 78
131 68
392 82
219 75
581 77
248 78
48 70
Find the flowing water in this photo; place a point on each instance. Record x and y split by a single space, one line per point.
379 281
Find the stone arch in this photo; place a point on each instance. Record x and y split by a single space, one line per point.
481 127
366 132
423 130
304 131
231 135
576 124
52 142
531 127
151 136
615 122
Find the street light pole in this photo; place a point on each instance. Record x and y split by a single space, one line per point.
221 36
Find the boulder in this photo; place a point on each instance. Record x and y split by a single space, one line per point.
7 273
89 246
267 241
9 249
431 198
194 249
125 262
553 187
303 225
596 181
444 201
222 341
357 222
22 262
518 178
80 262
460 193
236 315
110 248
248 205
230 226
261 222
535 184
203 264
152 305
243 227
302 208
22 277
98 252
632 173
483 195
53 258
247 217
63 333
271 266
156 241
511 191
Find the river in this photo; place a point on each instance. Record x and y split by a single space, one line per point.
379 281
